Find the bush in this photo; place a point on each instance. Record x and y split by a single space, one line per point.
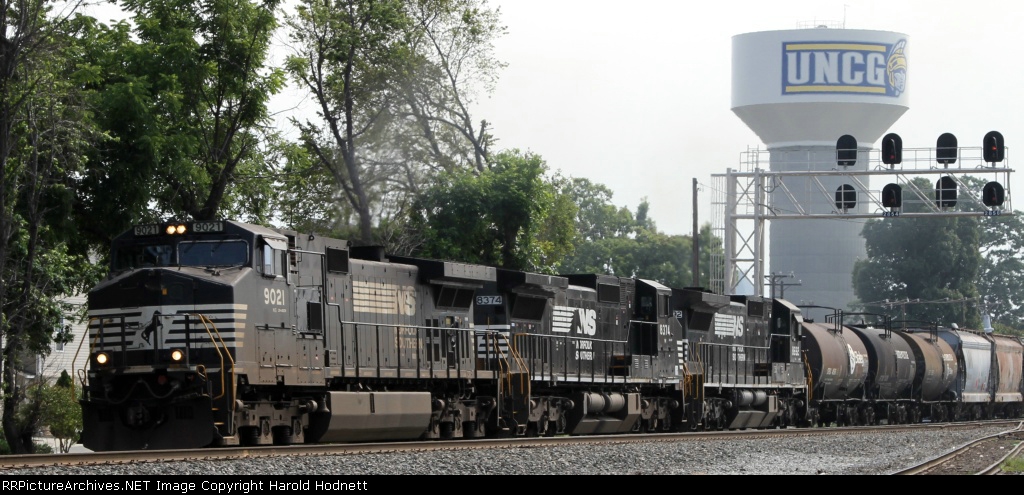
41 447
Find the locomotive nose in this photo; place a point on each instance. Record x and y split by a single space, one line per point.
153 281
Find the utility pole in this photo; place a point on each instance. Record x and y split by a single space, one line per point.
775 279
695 265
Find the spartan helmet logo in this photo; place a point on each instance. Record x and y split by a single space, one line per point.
896 67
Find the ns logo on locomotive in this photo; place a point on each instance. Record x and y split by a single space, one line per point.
225 333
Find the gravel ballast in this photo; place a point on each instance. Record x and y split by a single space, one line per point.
867 454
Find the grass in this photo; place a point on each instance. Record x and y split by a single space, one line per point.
1013 465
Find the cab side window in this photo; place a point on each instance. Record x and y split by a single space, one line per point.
269 262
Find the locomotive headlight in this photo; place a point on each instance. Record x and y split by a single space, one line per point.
176 229
177 355
102 358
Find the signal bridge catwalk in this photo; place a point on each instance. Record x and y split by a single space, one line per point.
966 182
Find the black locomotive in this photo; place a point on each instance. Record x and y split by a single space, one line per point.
223 333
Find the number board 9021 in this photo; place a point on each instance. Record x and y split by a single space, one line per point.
488 300
208 227
150 229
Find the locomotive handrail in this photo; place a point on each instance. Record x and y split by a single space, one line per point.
514 350
207 323
761 355
82 372
703 371
397 327
92 344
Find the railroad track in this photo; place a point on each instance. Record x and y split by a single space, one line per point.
13 463
984 456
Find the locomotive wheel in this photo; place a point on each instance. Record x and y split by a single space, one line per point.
469 430
552 429
652 425
534 428
249 435
693 416
282 435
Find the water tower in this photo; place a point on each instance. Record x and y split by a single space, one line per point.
800 90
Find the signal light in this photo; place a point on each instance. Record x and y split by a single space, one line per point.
945 192
993 147
846 150
177 355
846 197
993 194
892 196
892 149
946 149
102 358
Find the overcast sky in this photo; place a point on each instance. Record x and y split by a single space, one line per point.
636 95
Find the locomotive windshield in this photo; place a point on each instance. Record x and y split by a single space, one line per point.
213 253
189 253
141 256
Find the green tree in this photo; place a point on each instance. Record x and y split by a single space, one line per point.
623 243
452 43
1001 274
391 83
44 130
509 215
182 93
933 260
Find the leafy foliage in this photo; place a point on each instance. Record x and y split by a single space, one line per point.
933 261
182 93
62 412
619 242
45 129
508 215
390 80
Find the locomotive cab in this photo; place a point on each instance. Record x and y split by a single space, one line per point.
163 327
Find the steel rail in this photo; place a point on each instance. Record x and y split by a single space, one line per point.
947 457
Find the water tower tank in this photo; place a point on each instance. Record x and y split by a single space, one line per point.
799 91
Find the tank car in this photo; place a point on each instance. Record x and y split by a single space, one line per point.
936 370
892 367
837 370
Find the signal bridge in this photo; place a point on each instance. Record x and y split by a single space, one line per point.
965 182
